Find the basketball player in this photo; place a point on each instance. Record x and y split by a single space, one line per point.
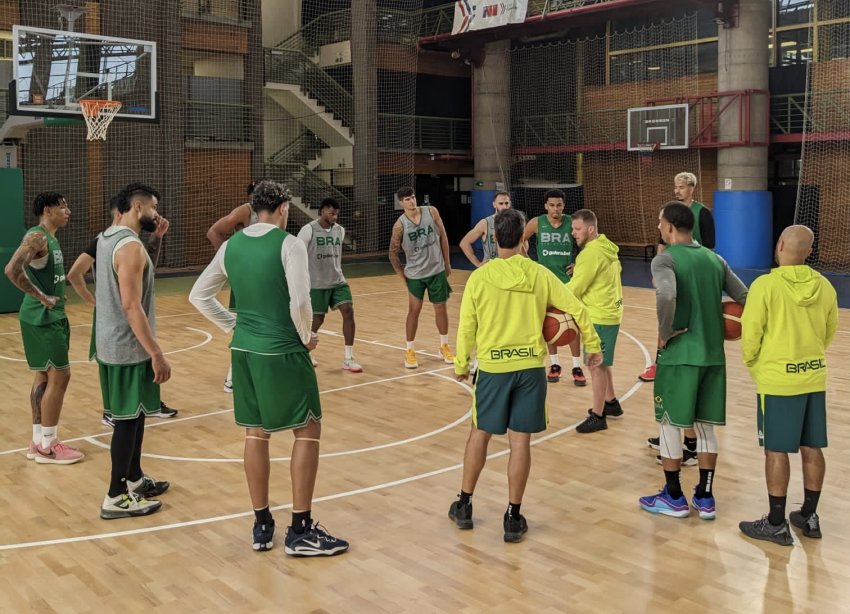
510 385
556 251
790 377
275 383
241 217
596 283
420 233
690 387
38 269
83 264
328 288
130 362
484 231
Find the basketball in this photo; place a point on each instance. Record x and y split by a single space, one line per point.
559 328
732 313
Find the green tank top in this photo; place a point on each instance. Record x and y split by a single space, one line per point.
696 209
700 277
256 274
555 246
50 279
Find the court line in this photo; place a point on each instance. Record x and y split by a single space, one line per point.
349 493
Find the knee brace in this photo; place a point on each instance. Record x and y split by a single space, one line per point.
670 441
706 438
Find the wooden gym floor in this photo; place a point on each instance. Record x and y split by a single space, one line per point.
392 445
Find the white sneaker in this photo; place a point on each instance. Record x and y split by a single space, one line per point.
127 505
228 381
349 364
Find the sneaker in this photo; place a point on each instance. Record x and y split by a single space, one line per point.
762 529
447 354
349 364
578 377
648 375
592 423
461 514
107 420
704 506
663 503
515 528
612 410
410 359
263 536
689 459
809 526
126 506
554 374
165 411
315 541
228 380
151 487
654 443
58 454
32 450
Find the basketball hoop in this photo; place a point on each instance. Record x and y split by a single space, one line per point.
646 150
99 114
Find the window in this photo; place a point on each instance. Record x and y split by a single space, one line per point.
794 12
794 47
834 42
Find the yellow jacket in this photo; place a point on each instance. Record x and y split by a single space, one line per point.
596 281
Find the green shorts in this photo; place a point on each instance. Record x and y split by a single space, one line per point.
322 299
274 392
685 394
128 390
515 400
608 335
437 285
46 346
786 423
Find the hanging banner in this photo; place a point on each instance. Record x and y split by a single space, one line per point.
481 14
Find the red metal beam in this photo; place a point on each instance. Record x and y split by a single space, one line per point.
561 149
812 137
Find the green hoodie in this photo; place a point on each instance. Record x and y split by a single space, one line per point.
790 319
596 281
502 311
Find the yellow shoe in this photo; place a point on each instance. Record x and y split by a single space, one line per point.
447 354
410 359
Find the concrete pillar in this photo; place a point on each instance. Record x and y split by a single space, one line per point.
491 117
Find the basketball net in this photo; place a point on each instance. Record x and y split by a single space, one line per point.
646 154
99 114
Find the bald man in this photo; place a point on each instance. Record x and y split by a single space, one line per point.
790 320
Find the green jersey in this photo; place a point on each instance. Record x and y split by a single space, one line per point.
48 275
555 246
696 209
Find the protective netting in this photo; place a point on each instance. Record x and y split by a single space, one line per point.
568 128
823 202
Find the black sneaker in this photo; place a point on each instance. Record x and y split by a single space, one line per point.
762 529
612 410
107 420
689 459
554 374
461 514
592 423
315 541
151 487
654 443
515 528
809 526
578 377
263 538
165 411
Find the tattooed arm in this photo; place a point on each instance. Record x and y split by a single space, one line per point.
155 239
34 245
395 246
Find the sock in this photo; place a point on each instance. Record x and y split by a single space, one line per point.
349 352
810 503
36 433
48 436
464 497
613 401
229 374
576 362
301 521
444 340
513 510
706 477
777 510
674 487
410 345
691 443
134 484
553 360
263 516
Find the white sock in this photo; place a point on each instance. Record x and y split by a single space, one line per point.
349 352
444 339
553 360
410 345
576 362
36 433
48 436
131 486
229 374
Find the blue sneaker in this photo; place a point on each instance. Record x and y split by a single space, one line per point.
263 536
704 505
663 503
315 541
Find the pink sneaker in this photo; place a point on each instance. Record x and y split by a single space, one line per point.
31 450
58 454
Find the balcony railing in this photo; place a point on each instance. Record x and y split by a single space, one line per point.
228 12
424 134
216 121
